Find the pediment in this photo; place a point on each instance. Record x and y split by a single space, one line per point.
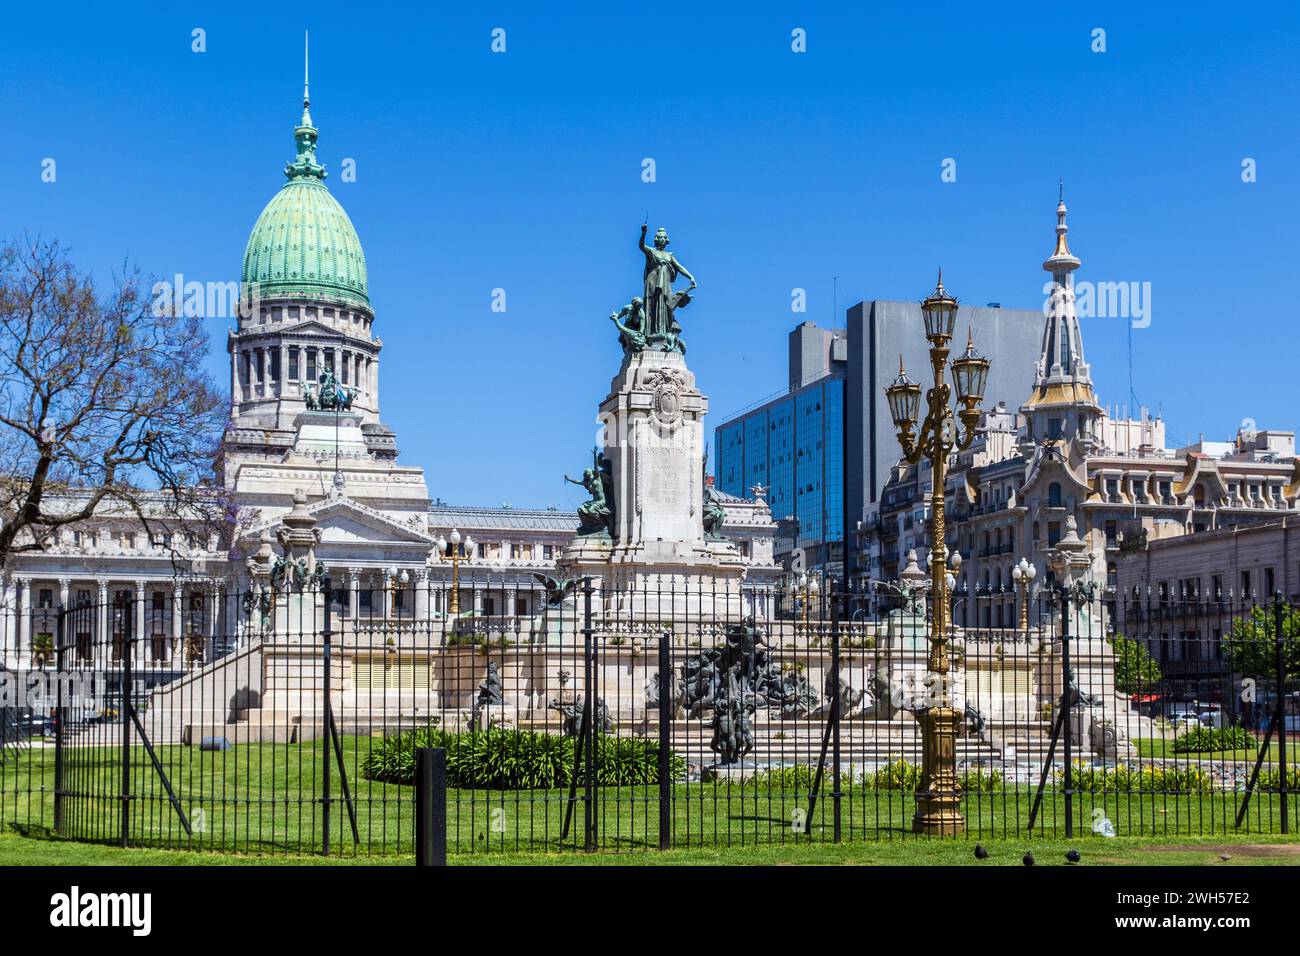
344 521
313 327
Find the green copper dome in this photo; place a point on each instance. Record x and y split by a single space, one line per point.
303 245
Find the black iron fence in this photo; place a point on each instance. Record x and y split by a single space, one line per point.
289 722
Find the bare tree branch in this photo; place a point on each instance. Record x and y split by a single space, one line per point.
103 406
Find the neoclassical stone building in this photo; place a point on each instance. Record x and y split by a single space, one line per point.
305 421
1063 455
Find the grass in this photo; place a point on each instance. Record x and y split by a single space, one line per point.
1159 747
259 799
35 848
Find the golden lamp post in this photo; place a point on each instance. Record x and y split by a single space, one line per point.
938 795
806 589
1023 574
450 551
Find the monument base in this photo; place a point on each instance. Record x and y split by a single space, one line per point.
668 581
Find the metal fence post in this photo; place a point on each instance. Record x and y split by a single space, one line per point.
666 686
588 721
326 722
1279 645
124 718
59 715
837 704
1067 706
430 806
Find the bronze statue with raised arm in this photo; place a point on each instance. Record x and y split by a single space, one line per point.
660 326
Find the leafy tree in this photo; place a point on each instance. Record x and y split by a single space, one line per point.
104 406
1135 668
1251 645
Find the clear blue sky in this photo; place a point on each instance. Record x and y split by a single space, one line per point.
775 170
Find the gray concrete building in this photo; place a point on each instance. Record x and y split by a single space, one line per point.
878 333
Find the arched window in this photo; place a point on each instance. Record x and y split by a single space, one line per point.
1054 495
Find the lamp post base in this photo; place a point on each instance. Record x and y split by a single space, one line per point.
938 795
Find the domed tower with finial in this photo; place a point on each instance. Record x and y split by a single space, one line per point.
1062 407
307 315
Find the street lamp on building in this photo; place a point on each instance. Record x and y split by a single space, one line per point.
451 551
938 795
1023 574
397 580
805 589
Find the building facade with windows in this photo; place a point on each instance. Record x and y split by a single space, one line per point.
308 331
1062 455
789 450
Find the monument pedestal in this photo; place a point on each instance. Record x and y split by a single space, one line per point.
658 562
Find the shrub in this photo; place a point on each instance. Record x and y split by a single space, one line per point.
505 759
797 776
1213 739
628 761
896 775
1140 779
1271 779
981 781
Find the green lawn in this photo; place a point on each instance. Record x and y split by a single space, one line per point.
31 849
1159 747
259 798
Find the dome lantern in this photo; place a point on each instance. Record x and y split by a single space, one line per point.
303 245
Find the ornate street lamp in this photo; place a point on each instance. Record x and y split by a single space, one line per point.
397 581
1023 574
450 551
805 590
938 795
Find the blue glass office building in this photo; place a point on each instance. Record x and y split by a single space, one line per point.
793 446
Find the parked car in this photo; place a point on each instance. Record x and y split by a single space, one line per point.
1179 719
1211 717
36 725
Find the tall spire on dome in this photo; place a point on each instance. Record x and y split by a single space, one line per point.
305 135
306 95
1062 378
1061 262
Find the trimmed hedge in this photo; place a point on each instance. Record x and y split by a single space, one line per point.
897 774
504 759
1127 779
1213 739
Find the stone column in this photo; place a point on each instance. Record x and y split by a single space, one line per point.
6 616
64 586
234 376
140 636
177 637
354 594
24 611
512 592
284 370
421 586
213 599
101 616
